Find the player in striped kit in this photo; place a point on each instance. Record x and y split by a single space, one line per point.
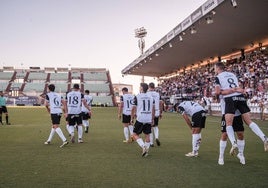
238 128
198 114
226 84
143 109
124 112
53 105
73 112
86 114
158 114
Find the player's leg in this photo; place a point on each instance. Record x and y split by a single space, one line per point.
52 132
239 129
80 133
71 122
78 121
125 131
7 117
222 147
256 129
125 121
230 133
56 121
156 131
152 137
147 131
241 146
223 141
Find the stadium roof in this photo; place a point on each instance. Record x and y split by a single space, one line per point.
234 28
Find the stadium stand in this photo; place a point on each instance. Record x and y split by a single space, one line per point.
183 59
29 86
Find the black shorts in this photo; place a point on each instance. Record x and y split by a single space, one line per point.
126 118
236 103
55 118
142 127
237 124
156 120
4 109
85 116
199 119
74 119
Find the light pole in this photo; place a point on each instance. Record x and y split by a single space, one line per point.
141 33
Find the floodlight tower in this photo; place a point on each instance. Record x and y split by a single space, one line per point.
141 33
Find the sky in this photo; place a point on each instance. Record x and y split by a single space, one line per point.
85 33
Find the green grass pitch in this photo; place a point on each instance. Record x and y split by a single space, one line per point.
103 160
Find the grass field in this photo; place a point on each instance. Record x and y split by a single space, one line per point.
103 160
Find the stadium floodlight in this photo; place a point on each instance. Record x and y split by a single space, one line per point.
234 3
141 33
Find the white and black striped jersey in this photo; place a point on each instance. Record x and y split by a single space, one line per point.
54 100
144 103
189 108
89 100
74 102
227 80
157 99
128 101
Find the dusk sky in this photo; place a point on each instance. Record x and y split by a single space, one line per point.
84 33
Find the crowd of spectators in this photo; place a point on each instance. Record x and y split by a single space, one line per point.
251 69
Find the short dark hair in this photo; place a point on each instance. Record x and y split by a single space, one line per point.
144 87
51 87
220 65
125 89
87 91
151 85
76 86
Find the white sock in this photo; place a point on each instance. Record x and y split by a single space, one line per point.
222 147
241 146
52 132
147 145
151 138
230 134
140 142
67 127
59 132
130 127
85 123
156 132
195 138
198 141
71 130
126 133
255 128
80 131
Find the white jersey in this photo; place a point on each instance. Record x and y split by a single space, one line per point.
88 99
128 101
156 98
190 108
227 80
54 100
74 102
144 103
222 102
